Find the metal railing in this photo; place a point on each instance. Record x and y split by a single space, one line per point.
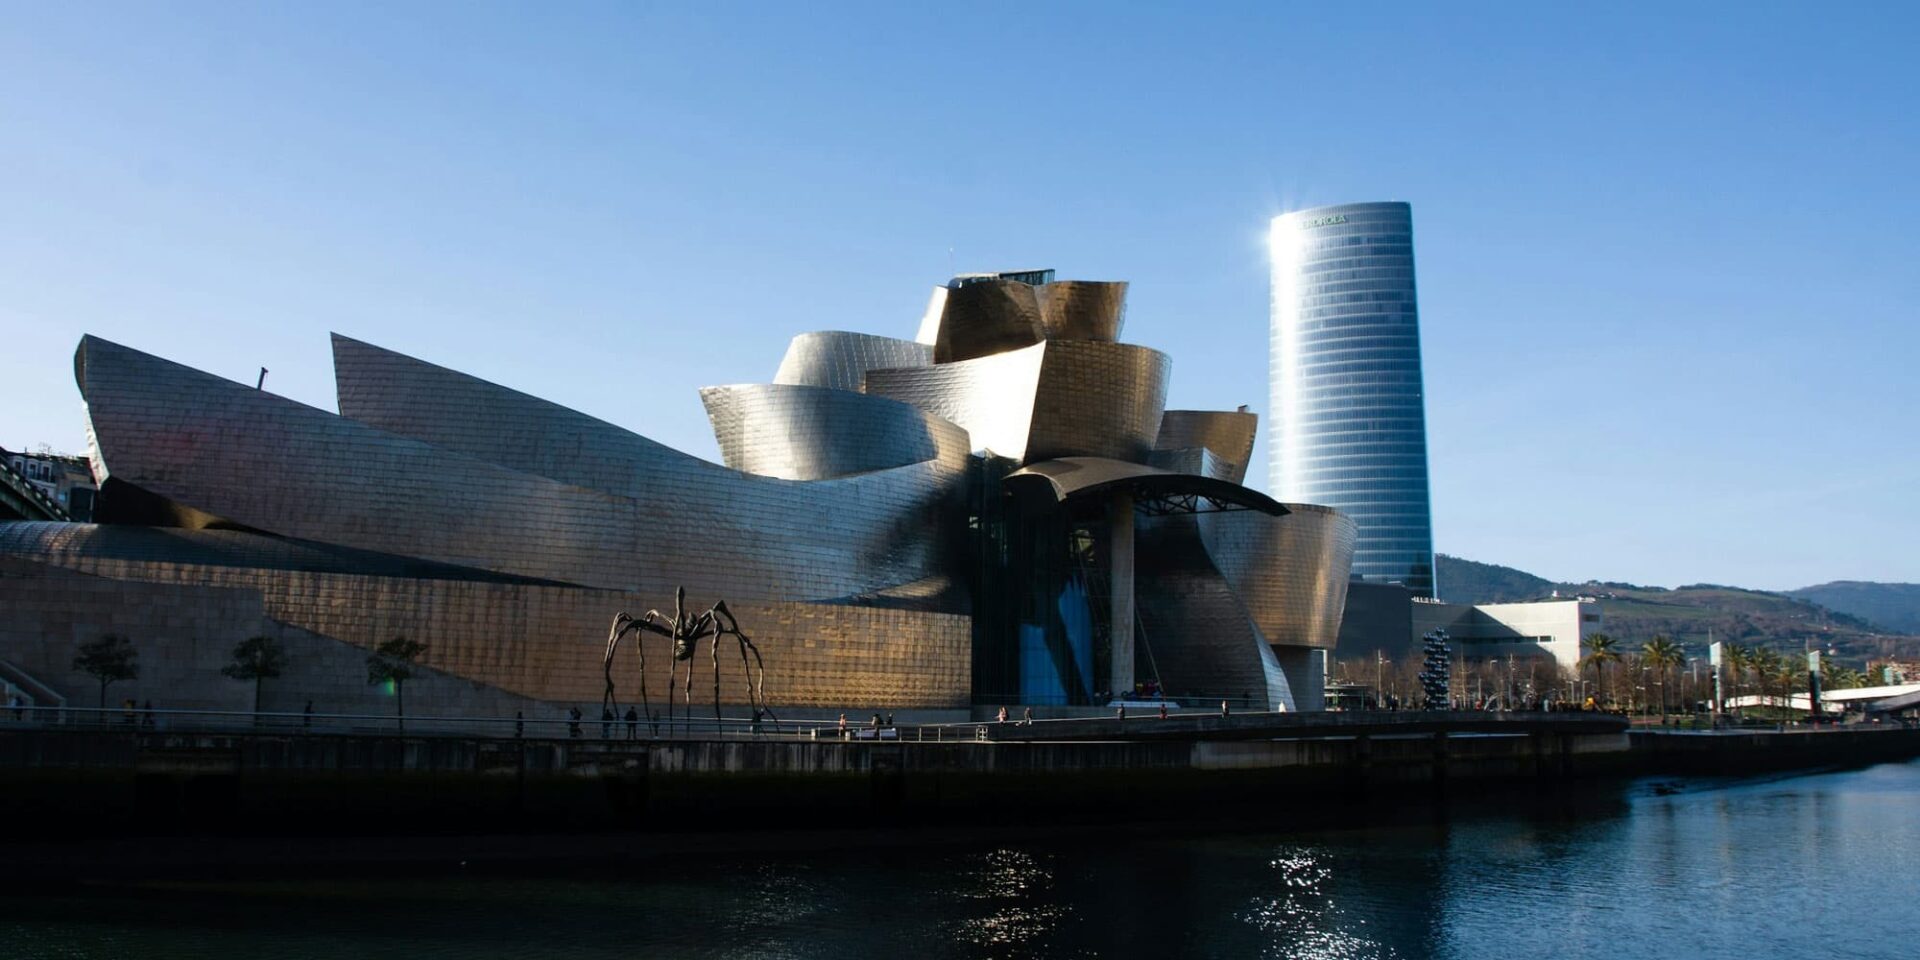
586 728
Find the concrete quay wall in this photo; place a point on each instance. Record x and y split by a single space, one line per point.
145 783
158 783
1741 752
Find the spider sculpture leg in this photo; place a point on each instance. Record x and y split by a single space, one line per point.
640 650
759 672
756 688
614 633
686 686
746 670
650 622
713 645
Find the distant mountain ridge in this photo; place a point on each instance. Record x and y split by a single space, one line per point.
1895 606
1689 614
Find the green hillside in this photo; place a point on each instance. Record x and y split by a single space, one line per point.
1894 606
1464 581
1635 613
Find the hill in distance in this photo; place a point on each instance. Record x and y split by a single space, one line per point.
1895 606
1633 613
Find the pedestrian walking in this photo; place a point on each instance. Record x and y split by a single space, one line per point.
519 724
843 726
146 714
1121 712
633 724
1163 709
306 715
1002 716
1026 717
606 723
1223 707
19 707
573 722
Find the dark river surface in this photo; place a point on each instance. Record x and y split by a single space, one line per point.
1810 866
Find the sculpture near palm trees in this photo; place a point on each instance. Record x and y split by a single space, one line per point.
1600 652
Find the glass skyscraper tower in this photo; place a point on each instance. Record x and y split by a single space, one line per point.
1350 425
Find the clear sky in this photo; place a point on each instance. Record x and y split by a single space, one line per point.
1667 255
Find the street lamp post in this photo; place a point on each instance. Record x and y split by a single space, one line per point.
1379 679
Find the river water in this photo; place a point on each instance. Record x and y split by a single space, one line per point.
1810 866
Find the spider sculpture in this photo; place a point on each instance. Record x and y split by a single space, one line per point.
685 632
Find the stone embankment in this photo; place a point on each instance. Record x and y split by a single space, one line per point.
142 782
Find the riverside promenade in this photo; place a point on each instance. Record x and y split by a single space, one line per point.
122 778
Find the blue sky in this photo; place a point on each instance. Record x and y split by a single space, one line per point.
1667 254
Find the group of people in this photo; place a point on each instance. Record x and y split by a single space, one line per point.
607 721
878 723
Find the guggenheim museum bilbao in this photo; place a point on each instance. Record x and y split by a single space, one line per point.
999 511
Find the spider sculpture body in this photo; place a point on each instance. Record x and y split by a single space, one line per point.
684 632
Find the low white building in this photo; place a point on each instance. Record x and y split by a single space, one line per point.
1552 629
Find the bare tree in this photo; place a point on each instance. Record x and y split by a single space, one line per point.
256 659
108 660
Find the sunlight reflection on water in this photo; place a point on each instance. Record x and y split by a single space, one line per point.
1799 864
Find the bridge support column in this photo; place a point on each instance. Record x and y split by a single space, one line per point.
1120 594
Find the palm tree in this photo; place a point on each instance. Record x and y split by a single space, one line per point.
1601 652
1787 673
393 662
1662 654
1739 658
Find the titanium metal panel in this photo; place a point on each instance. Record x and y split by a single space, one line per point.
656 520
1060 398
929 331
1349 414
991 398
815 433
1098 400
988 317
1198 461
1291 571
1082 309
1203 640
1228 433
840 360
60 543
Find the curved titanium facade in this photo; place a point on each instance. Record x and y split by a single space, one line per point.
815 433
1082 309
988 317
1059 398
1348 407
1227 433
1290 571
1205 642
840 360
500 481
